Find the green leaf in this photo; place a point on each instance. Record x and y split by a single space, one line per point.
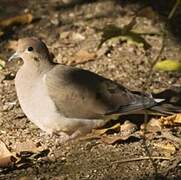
113 33
168 65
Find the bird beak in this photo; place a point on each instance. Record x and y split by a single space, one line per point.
14 56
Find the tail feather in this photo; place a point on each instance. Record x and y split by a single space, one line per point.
166 109
171 103
159 104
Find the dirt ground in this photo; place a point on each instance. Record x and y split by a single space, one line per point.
68 28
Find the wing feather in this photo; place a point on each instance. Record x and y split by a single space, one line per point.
79 93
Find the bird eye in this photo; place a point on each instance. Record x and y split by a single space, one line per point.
30 49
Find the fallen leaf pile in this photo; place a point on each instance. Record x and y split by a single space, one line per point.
119 138
173 120
159 124
118 133
25 153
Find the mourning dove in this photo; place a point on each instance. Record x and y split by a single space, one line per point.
60 98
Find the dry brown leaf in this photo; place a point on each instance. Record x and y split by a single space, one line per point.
12 44
172 120
6 157
154 125
115 128
125 129
82 56
113 139
28 146
4 150
7 161
167 148
25 152
128 128
117 138
20 19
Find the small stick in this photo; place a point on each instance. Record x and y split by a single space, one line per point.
142 158
137 159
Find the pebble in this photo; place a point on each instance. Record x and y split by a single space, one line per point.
64 35
77 36
8 106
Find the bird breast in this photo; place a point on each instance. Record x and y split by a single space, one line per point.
35 101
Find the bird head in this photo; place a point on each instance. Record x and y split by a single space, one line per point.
31 49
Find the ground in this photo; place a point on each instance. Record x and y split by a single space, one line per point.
67 29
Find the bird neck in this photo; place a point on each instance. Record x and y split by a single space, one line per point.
37 68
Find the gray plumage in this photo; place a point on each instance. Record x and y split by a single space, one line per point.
68 99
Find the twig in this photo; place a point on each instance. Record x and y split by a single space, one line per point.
136 159
173 9
142 158
145 87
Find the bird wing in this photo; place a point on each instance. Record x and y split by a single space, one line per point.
79 93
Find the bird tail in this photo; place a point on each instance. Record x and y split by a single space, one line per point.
159 107
166 109
171 103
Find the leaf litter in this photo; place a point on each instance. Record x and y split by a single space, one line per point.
25 153
7 159
117 133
